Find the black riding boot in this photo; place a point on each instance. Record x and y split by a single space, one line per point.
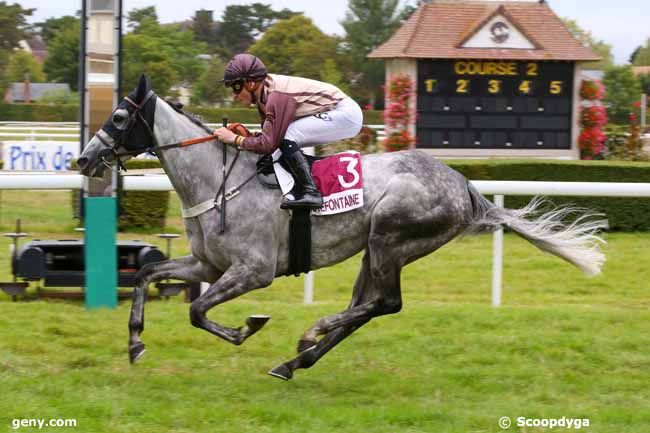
306 194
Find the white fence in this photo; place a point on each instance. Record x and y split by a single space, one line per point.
37 130
497 188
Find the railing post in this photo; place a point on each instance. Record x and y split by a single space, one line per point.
497 259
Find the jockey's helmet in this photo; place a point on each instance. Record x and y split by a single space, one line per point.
244 67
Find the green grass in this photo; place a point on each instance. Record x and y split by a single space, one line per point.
562 345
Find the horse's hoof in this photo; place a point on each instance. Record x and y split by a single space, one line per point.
281 371
256 322
306 345
136 351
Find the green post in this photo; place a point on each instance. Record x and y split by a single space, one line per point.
100 252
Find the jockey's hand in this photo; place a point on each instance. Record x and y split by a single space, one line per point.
225 135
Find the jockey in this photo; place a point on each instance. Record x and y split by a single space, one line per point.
296 112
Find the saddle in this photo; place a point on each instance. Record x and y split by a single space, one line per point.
266 174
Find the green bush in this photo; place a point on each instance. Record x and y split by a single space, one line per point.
144 210
39 112
624 214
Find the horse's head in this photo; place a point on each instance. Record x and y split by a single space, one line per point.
127 132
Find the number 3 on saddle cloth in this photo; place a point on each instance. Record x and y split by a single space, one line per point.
339 179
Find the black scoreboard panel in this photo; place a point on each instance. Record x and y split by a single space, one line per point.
494 104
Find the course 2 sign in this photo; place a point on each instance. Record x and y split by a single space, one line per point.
494 104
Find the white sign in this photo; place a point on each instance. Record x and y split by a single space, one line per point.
499 32
39 155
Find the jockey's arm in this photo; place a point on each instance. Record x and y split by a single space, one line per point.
280 111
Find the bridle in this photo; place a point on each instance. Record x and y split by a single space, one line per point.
110 154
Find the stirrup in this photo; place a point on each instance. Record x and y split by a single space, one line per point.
304 202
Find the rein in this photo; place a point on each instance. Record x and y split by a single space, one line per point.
111 154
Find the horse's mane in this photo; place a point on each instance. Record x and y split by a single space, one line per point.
194 118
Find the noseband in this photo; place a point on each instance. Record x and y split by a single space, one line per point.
110 154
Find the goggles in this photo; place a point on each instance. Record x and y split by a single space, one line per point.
237 86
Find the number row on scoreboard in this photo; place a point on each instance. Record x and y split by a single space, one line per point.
496 86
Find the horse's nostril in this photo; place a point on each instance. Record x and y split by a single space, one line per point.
82 162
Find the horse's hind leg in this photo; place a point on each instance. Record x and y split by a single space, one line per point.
372 297
186 268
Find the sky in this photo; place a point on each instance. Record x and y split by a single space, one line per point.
622 24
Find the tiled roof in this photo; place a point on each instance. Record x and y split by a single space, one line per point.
641 70
437 30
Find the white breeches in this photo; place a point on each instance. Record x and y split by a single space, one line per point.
344 121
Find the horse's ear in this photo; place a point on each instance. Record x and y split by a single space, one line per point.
144 85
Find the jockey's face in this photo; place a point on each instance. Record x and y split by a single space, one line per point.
244 94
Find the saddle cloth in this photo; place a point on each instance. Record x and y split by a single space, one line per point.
338 177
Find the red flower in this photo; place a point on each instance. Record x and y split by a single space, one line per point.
592 90
594 116
591 142
398 115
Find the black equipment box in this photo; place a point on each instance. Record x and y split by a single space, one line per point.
60 263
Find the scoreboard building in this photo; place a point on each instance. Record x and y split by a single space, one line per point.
492 78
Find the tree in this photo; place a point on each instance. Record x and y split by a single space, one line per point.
137 17
641 56
622 90
13 24
587 39
644 81
208 89
367 24
13 29
242 25
204 27
52 26
24 65
168 55
634 54
295 47
62 62
330 73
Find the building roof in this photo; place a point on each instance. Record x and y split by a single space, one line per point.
16 91
438 30
36 46
640 70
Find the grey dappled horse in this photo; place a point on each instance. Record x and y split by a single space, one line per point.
414 204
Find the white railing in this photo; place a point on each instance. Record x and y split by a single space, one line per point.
33 130
160 182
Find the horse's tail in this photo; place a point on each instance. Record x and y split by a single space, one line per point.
577 242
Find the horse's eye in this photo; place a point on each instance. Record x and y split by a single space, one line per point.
118 118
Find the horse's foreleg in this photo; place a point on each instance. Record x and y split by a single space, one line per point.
185 268
235 282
